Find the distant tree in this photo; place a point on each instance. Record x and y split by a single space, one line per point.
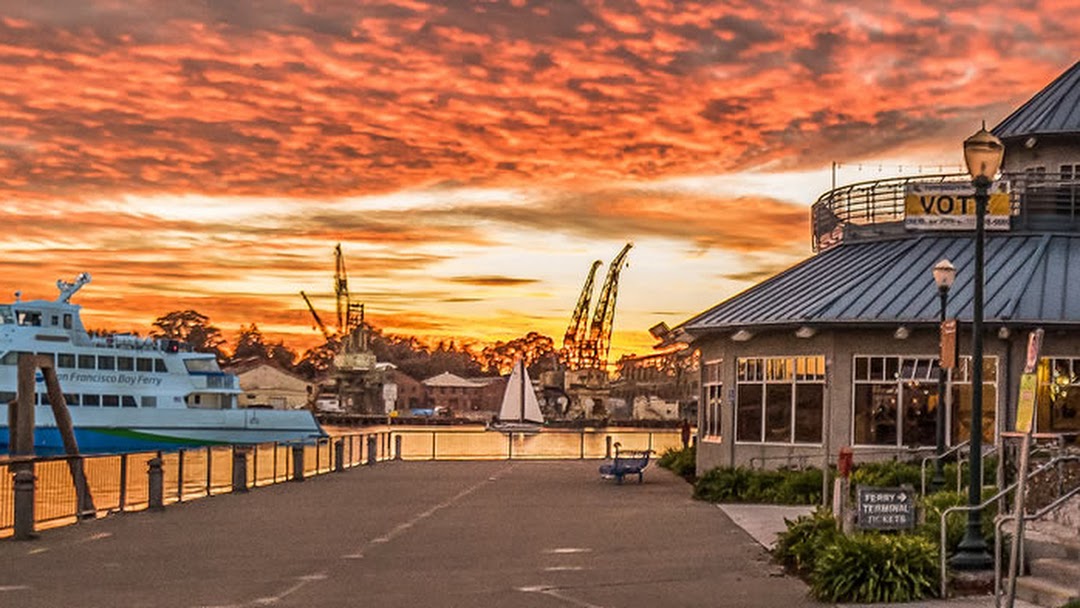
192 328
250 344
537 349
317 362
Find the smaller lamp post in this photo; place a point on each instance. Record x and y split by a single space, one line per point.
982 153
944 275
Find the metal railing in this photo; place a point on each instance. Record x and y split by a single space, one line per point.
953 450
1001 493
1038 200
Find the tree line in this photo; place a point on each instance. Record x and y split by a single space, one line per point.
408 353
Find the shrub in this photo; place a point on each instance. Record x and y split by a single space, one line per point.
682 462
869 568
887 473
934 505
798 546
789 487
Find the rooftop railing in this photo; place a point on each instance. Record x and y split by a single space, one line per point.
1039 201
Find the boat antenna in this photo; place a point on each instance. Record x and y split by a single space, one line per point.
68 289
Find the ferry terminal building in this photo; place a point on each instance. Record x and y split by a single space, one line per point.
842 349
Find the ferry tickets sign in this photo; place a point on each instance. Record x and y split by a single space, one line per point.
951 206
885 508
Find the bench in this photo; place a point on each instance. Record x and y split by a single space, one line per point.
626 463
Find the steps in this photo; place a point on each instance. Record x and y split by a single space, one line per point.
1053 555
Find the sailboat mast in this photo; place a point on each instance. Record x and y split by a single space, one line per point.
522 417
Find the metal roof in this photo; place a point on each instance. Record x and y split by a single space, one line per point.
1053 110
1029 278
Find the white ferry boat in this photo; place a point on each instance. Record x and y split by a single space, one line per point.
127 393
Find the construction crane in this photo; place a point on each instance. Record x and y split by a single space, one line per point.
594 350
578 328
318 321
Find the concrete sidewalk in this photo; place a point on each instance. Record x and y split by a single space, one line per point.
764 522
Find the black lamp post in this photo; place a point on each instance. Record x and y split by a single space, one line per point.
982 153
944 275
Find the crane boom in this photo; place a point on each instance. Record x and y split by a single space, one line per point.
315 315
576 331
596 347
341 290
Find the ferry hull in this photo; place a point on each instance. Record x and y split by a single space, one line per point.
118 430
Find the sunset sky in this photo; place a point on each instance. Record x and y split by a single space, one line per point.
472 157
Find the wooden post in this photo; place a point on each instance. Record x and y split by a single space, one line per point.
21 417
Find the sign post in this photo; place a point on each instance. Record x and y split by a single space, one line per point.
1025 423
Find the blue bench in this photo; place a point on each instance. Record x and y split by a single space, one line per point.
626 463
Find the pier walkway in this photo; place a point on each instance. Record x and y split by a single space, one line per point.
398 534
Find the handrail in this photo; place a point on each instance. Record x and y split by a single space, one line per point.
950 451
945 514
989 451
1001 519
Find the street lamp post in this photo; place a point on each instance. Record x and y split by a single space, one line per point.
982 153
944 275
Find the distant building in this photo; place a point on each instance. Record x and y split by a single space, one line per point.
660 386
459 395
266 385
409 393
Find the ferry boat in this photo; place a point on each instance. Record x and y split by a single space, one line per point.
127 393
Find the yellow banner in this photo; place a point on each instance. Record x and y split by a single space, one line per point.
951 206
1025 404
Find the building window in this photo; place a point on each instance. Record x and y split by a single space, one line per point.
1058 395
896 399
780 400
712 390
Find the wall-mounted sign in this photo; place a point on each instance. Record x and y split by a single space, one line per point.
951 206
885 508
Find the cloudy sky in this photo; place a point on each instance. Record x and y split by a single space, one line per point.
472 157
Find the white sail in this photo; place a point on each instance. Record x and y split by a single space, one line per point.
519 402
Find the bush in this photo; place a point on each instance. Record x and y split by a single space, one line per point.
869 568
934 505
799 546
887 473
682 462
787 487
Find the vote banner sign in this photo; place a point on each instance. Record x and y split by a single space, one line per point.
951 206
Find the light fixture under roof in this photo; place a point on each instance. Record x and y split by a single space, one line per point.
741 336
902 333
805 332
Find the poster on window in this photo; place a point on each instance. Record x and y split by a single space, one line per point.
951 206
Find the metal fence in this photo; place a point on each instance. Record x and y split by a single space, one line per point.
122 482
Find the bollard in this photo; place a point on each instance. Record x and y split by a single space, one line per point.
298 463
24 500
239 470
607 450
339 456
372 449
397 447
156 483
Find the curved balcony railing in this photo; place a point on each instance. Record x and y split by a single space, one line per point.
1038 200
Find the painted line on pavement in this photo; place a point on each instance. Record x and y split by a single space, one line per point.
555 593
15 588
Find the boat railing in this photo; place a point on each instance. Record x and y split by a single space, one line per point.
1038 201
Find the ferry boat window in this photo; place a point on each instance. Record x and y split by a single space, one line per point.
106 362
29 318
67 321
110 400
149 401
159 366
125 364
202 366
86 361
5 315
10 358
91 400
55 320
128 401
65 360
6 397
51 356
71 399
143 364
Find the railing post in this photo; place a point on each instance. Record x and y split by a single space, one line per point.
180 475
123 482
298 462
372 449
274 447
209 470
339 456
24 500
607 447
254 465
397 447
582 442
239 470
156 484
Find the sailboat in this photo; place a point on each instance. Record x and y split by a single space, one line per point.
520 410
